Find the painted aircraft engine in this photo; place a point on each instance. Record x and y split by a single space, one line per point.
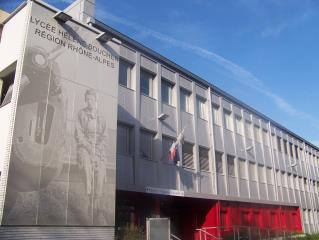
38 144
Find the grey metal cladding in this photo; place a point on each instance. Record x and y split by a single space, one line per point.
62 165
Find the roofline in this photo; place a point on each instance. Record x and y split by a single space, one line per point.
160 58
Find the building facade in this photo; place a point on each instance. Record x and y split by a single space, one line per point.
237 169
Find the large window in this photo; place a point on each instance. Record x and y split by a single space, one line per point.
248 129
124 138
285 147
291 149
167 92
201 107
284 179
146 144
278 178
252 171
166 145
270 176
242 168
279 144
185 101
203 159
228 120
147 82
239 125
216 115
125 74
219 163
188 159
231 166
257 133
6 85
266 137
261 174
297 152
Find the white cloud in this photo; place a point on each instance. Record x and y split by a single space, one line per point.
234 70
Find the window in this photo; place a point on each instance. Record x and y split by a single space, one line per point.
297 183
203 159
266 137
274 139
216 115
248 130
285 147
6 85
297 152
279 144
252 171
257 133
228 120
231 166
242 169
301 186
201 107
278 178
185 100
146 144
284 179
166 145
167 92
219 162
239 125
270 176
124 139
147 80
305 184
291 149
125 74
261 174
187 149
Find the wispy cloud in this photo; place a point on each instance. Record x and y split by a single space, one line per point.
277 16
234 70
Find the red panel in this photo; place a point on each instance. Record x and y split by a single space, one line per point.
258 216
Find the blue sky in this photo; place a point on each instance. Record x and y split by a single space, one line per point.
263 52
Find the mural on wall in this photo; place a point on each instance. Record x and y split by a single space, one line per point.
62 167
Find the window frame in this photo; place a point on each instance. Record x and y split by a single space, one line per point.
201 107
228 120
200 149
184 145
170 87
232 167
128 140
151 146
130 67
150 79
187 94
239 125
221 160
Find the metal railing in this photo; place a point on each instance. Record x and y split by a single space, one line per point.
243 233
208 235
174 237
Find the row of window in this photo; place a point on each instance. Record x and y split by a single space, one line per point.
167 89
256 172
242 169
167 92
293 150
147 147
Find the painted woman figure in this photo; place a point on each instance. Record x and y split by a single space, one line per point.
91 154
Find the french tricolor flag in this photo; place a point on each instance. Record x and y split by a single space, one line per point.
175 151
